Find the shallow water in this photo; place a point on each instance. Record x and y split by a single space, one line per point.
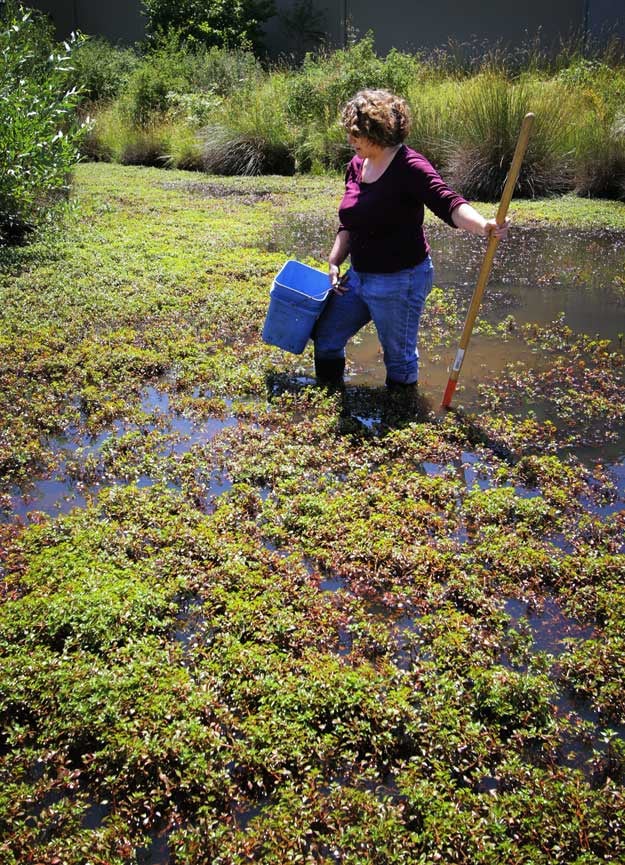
537 276
61 493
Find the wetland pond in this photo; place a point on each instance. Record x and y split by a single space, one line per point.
539 277
555 301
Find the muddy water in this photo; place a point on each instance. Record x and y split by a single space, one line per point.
537 277
538 274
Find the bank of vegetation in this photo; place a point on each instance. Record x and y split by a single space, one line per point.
178 102
223 112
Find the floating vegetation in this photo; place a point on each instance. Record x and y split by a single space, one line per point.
242 619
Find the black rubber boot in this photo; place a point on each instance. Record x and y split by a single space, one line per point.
401 402
400 386
329 372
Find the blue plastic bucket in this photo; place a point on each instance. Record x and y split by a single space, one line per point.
296 301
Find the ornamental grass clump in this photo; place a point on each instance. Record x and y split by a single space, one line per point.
600 131
101 70
250 134
492 109
437 118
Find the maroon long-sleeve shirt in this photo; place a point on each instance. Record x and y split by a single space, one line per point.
385 218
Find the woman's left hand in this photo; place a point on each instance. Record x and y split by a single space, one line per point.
466 217
492 229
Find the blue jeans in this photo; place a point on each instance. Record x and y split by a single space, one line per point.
394 301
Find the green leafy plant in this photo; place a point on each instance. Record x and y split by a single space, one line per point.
210 22
39 135
101 70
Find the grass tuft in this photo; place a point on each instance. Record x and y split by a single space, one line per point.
492 110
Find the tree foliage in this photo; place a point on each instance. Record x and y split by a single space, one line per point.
224 23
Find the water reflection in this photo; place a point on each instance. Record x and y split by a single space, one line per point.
67 489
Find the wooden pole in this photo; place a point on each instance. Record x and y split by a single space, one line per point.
513 174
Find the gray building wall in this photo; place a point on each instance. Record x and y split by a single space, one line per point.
606 17
403 24
279 40
116 20
412 24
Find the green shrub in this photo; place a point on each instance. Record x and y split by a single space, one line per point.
145 97
198 68
219 70
221 22
196 109
101 70
39 137
33 42
314 95
162 76
327 81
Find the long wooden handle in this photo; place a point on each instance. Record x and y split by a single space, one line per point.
493 243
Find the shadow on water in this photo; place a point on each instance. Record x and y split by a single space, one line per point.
366 410
548 626
156 852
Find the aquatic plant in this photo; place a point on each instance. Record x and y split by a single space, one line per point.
281 623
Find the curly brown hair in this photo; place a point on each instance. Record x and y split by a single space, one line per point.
378 115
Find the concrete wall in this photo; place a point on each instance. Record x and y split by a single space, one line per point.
606 17
413 24
117 20
404 24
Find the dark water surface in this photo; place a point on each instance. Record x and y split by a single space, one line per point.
539 275
60 494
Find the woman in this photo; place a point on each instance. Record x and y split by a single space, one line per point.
387 185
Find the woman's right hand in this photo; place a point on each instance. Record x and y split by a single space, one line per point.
336 280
